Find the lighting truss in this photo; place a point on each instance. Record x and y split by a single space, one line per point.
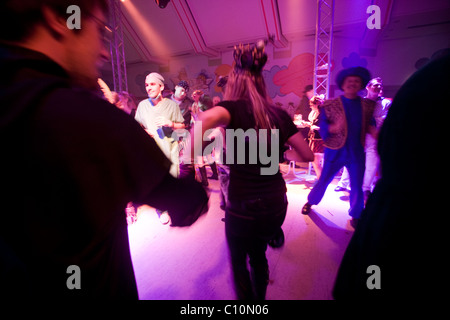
118 63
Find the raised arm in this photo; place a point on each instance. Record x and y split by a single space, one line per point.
215 117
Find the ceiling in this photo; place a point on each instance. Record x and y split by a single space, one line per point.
210 27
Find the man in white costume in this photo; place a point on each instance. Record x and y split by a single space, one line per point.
159 117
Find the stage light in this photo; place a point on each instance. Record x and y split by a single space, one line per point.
162 3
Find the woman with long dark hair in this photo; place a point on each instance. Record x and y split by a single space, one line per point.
257 202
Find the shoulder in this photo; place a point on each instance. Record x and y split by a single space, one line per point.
169 103
332 106
280 113
187 102
143 103
226 103
368 103
78 123
216 116
283 122
81 111
331 102
69 100
238 111
232 105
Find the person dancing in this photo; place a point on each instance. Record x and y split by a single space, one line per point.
257 202
343 123
315 140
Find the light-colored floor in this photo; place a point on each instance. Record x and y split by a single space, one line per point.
192 263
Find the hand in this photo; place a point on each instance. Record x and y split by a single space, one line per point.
163 122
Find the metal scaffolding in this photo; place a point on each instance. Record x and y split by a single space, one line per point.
118 63
323 46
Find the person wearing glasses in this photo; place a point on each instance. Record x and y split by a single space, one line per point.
71 161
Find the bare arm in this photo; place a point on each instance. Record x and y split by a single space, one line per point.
163 122
215 117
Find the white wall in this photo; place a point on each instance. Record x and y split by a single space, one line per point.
394 62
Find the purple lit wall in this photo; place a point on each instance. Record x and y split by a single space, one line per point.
411 33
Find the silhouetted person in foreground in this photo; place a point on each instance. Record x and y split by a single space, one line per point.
397 251
71 161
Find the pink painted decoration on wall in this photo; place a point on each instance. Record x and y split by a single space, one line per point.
298 74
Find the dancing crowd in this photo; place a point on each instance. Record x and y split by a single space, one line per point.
72 163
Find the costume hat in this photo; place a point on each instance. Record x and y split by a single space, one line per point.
361 72
155 77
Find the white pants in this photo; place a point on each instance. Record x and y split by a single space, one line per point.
372 166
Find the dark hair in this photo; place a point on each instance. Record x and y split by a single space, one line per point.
374 80
309 87
184 85
360 72
246 82
19 18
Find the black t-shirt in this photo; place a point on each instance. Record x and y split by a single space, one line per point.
255 154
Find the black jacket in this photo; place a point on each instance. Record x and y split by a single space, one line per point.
70 163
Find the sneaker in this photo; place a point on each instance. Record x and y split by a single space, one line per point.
278 240
306 208
354 222
366 195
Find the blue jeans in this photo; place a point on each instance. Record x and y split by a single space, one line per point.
334 160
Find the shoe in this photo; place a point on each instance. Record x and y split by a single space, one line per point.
339 188
367 194
354 222
278 240
215 173
306 208
164 218
214 177
203 176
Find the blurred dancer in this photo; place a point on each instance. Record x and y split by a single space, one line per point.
73 161
159 117
203 102
315 140
343 123
374 92
382 105
398 246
